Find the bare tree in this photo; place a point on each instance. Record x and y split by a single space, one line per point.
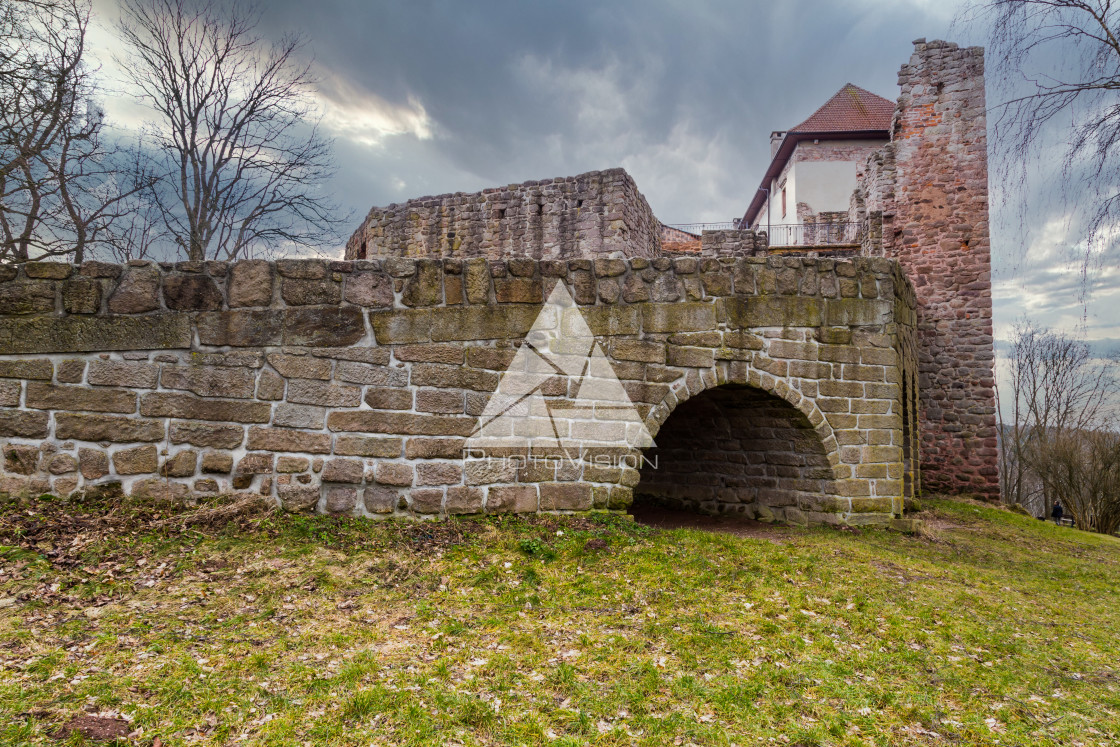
62 186
240 149
1060 445
1055 68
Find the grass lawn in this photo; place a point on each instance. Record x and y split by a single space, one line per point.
988 628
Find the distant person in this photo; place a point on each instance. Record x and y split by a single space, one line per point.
1056 512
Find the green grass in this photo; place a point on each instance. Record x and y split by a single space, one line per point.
989 628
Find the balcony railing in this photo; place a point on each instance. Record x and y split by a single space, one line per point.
814 234
697 228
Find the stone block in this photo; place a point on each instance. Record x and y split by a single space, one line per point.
511 499
343 470
112 428
690 357
48 270
397 474
303 269
75 334
638 350
287 439
518 290
380 500
447 401
367 446
182 464
299 416
42 396
189 407
250 283
93 463
462 499
311 392
453 377
217 462
270 386
241 328
292 464
400 423
300 366
140 460
388 398
20 459
477 281
377 375
71 372
190 292
137 291
426 500
81 296
255 464
563 496
340 499
213 435
27 298
298 498
40 369
10 392
298 292
483 322
324 327
370 289
494 359
123 373
210 381
18 423
159 489
63 464
678 317
425 287
439 473
449 353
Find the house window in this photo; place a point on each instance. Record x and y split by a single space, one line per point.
783 202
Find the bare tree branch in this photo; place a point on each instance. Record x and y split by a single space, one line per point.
241 151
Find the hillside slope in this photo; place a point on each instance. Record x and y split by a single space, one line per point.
989 628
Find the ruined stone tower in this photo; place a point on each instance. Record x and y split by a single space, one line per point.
927 191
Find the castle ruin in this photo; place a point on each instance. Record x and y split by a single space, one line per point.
810 385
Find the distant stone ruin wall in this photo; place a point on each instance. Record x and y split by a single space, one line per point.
733 243
350 387
597 214
923 200
676 241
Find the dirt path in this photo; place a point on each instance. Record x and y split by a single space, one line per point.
667 518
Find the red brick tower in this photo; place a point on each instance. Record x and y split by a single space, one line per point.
939 233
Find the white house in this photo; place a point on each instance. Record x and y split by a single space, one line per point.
814 167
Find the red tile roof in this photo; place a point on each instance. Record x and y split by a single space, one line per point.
851 109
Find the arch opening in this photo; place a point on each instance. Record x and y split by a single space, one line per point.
736 449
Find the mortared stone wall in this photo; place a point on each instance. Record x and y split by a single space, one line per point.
350 386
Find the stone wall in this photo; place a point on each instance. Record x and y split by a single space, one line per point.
732 243
349 387
924 201
597 214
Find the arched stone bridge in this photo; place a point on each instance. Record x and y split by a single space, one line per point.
778 387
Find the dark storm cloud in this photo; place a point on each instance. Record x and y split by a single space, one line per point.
683 94
427 96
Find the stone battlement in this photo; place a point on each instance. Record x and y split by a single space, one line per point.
597 214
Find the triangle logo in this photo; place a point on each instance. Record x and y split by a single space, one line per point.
560 391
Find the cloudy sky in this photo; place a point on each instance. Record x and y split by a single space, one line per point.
432 96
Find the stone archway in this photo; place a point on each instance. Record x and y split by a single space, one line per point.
734 447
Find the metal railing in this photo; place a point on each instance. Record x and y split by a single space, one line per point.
814 234
697 228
